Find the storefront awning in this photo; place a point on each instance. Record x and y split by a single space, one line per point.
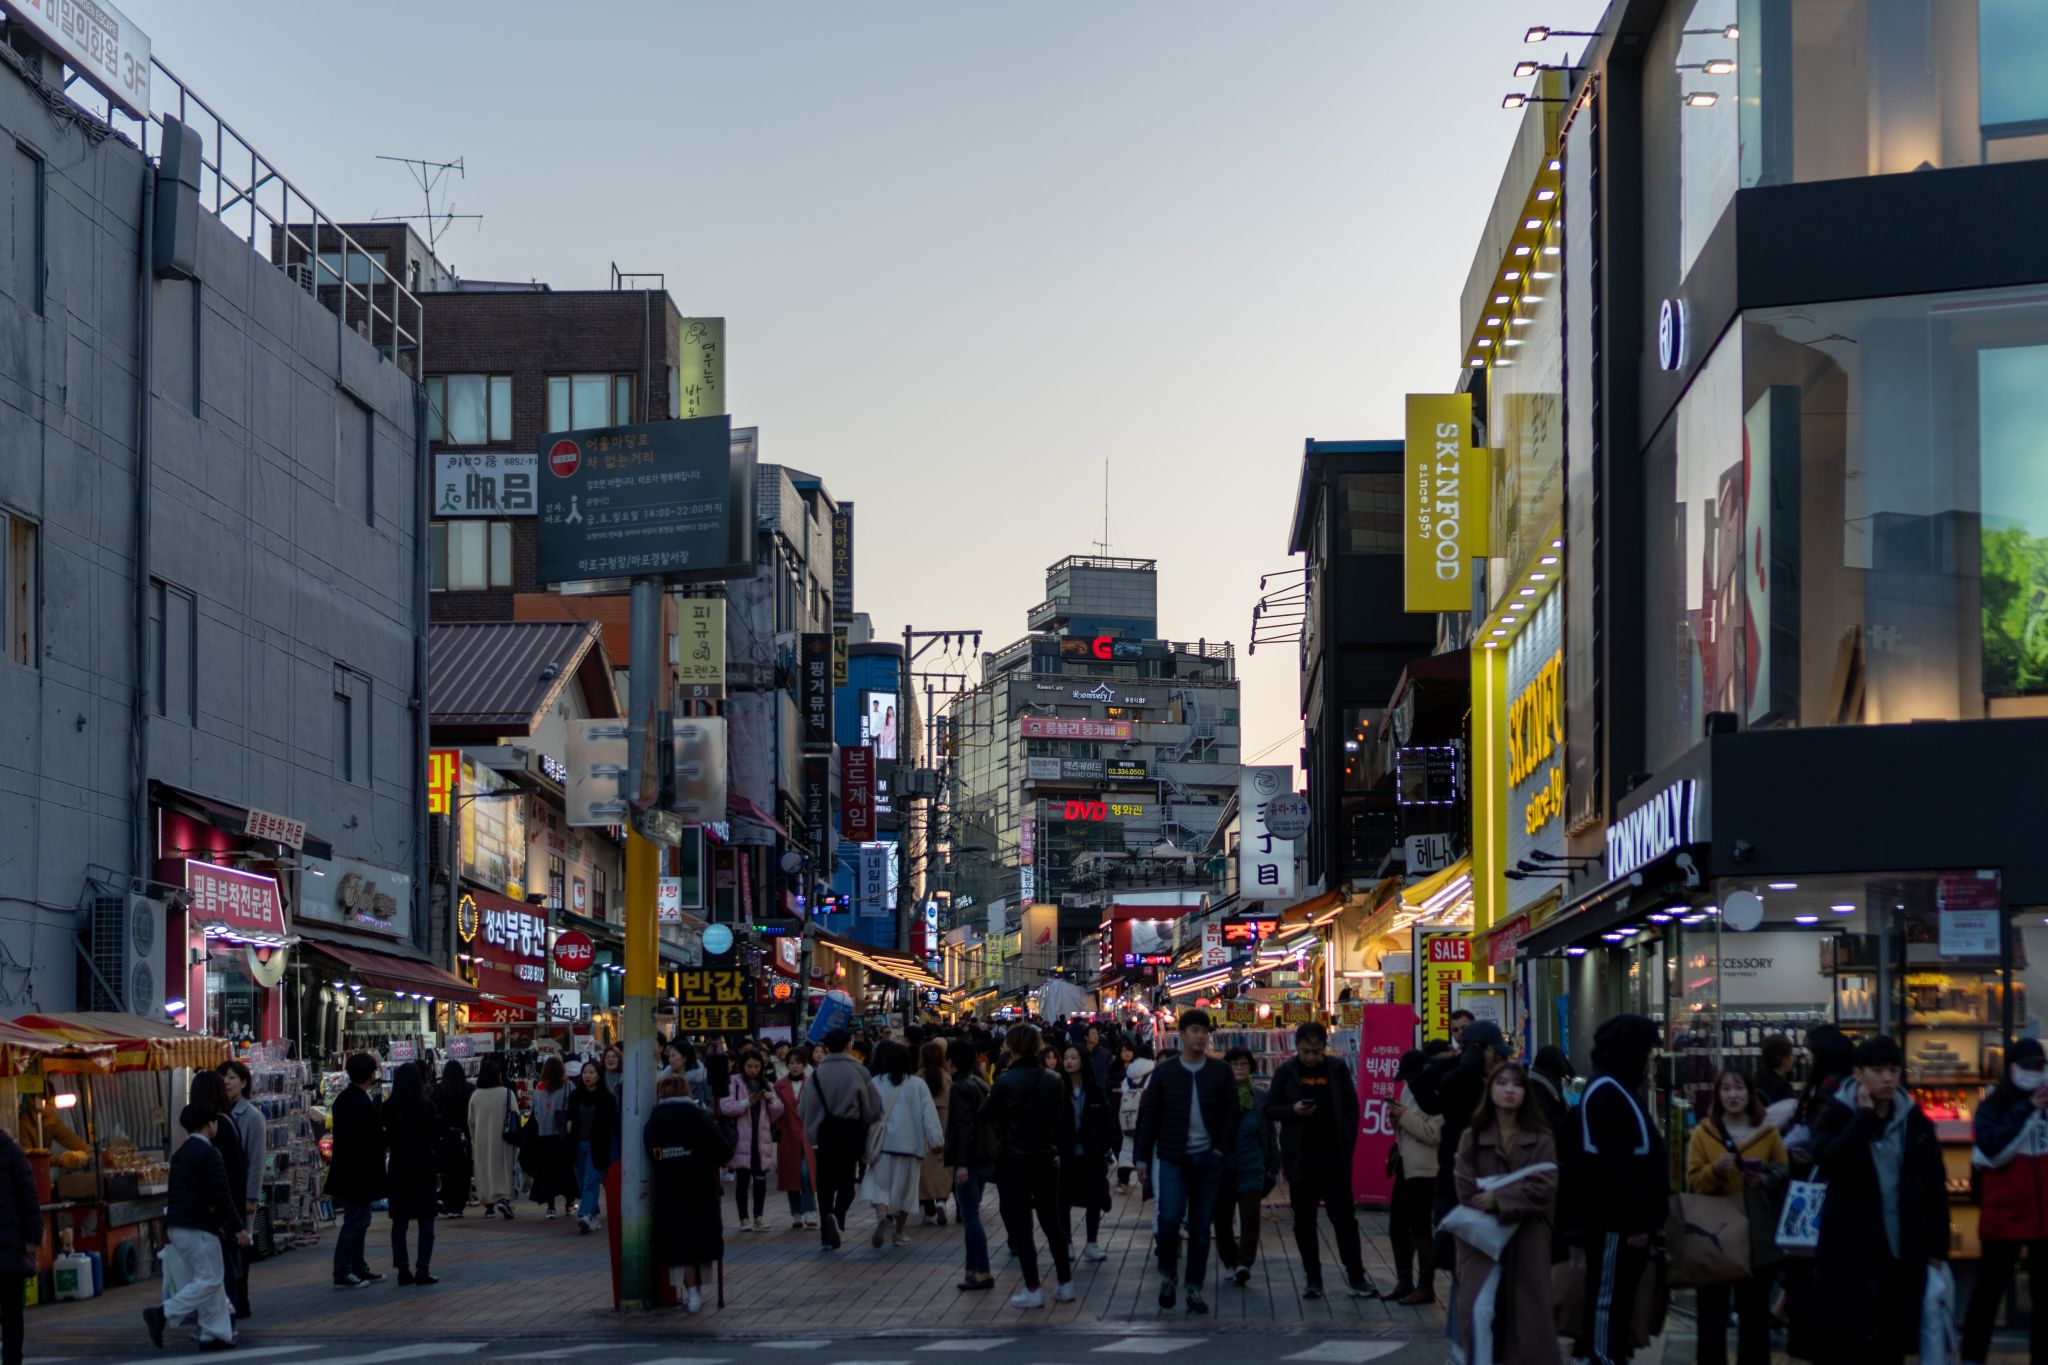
139 1044
743 809
1426 890
22 1048
388 972
901 966
1311 910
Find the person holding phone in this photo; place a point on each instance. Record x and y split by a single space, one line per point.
2011 1153
1733 1152
1314 1099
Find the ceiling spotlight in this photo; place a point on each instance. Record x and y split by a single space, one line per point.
1556 165
1846 908
1476 363
1500 632
1806 919
1575 952
1486 341
1500 298
1532 225
1528 592
1491 644
1493 322
1548 559
1511 275
1701 99
1517 606
1522 251
1545 196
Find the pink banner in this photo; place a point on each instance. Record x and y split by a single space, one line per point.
1386 1032
1058 727
232 897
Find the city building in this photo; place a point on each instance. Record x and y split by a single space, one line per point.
1088 766
212 580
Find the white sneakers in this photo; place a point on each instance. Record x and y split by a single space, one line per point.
1028 1298
810 1220
760 1224
694 1303
1092 1252
1065 1293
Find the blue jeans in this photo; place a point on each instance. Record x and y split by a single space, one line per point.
967 1204
803 1199
1187 1191
348 1243
590 1178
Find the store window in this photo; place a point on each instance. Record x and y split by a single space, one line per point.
577 401
18 595
469 409
231 1000
1876 87
1850 520
469 556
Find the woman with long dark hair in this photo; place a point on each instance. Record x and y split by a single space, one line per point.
1509 1134
417 1139
1732 1153
909 1130
686 1153
590 1122
491 1108
1408 1220
971 1156
547 1156
1084 1167
935 1179
1030 1109
451 1097
752 1107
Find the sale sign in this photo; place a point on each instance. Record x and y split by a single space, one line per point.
1385 1033
1444 960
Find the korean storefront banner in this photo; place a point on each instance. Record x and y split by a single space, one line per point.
234 899
856 793
508 947
496 483
1385 1033
814 688
1265 862
358 895
1442 961
1445 503
700 648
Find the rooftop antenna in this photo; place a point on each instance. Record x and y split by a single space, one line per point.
428 175
1103 544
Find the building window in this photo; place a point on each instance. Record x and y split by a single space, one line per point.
469 409
18 588
1372 512
25 191
173 652
558 881
351 726
469 556
364 267
597 892
577 401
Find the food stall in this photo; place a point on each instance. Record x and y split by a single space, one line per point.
104 1119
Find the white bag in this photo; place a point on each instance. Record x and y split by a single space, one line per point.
1938 1343
1799 1220
1481 1231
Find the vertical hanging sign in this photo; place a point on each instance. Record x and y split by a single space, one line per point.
842 561
1265 862
814 688
1446 503
856 793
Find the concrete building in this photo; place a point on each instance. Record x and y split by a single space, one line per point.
1089 765
214 585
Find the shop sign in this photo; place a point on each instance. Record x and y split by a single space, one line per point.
565 1003
817 771
574 952
1426 853
789 954
1769 968
405 1049
872 891
485 483
1109 696
239 900
668 900
1027 840
1500 945
1059 727
1444 503
1445 961
443 768
814 688
700 648
357 895
842 560
1968 904
1042 769
1662 825
278 829
856 792
1125 770
842 657
508 947
494 839
700 377
1095 812
1426 775
1081 769
712 1002
656 499
1265 861
1535 737
1104 648
1215 950
1289 816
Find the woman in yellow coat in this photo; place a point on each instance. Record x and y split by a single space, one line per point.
1733 1153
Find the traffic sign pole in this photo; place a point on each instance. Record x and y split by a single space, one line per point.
643 873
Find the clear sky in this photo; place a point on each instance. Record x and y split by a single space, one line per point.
968 250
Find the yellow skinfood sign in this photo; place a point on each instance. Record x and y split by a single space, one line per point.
1535 732
1445 505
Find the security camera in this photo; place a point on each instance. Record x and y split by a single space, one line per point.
1689 868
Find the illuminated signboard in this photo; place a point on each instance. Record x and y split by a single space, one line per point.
1057 727
1098 811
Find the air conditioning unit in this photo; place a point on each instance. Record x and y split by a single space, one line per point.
128 955
301 273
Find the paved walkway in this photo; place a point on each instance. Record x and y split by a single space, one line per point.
541 1278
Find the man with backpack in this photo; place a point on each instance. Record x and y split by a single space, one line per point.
838 1108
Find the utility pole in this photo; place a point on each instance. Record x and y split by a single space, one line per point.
956 641
643 871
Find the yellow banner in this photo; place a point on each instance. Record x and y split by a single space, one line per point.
1445 503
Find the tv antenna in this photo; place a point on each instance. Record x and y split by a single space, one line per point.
428 175
1103 544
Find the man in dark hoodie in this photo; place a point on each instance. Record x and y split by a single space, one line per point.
1619 1185
1451 1087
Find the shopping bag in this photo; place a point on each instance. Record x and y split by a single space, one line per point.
1938 1343
1799 1220
1707 1237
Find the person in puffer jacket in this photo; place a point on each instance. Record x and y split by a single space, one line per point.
1255 1164
2011 1158
1137 1071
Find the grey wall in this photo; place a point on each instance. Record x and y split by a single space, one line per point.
264 509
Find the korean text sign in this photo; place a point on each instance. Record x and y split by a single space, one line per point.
1445 503
1265 862
1443 961
649 500
236 899
856 792
1385 1032
510 951
712 1002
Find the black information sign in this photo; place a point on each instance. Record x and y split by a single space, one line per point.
842 561
817 798
814 688
656 499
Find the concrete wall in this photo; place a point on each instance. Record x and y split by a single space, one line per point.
298 553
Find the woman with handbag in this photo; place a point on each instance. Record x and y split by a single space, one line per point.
1084 1167
935 1181
547 1155
1027 1106
494 1135
1500 1171
1130 1092
898 1144
1411 1161
1735 1155
756 1110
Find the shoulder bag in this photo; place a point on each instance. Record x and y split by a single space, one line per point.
517 1130
1799 1220
879 1134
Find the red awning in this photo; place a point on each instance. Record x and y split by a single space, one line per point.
391 973
741 808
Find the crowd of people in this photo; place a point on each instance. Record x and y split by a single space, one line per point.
1546 1205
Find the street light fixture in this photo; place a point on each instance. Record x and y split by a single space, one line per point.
1701 99
1543 33
1516 101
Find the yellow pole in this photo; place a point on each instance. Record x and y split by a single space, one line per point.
636 1256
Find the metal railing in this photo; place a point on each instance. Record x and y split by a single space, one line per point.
377 306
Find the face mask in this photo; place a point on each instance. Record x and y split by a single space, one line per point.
2028 1081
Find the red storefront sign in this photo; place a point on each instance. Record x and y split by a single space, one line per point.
856 792
508 947
1058 727
1500 947
1385 1033
574 952
236 899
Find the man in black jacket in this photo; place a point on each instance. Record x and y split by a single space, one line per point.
1188 1120
1314 1099
355 1172
1618 1184
1451 1087
201 1208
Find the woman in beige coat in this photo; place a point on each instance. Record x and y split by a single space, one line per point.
1507 1134
935 1178
1408 1220
494 1156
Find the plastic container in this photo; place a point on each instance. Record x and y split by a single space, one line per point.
72 1277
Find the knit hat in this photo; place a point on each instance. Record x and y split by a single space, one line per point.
1485 1033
